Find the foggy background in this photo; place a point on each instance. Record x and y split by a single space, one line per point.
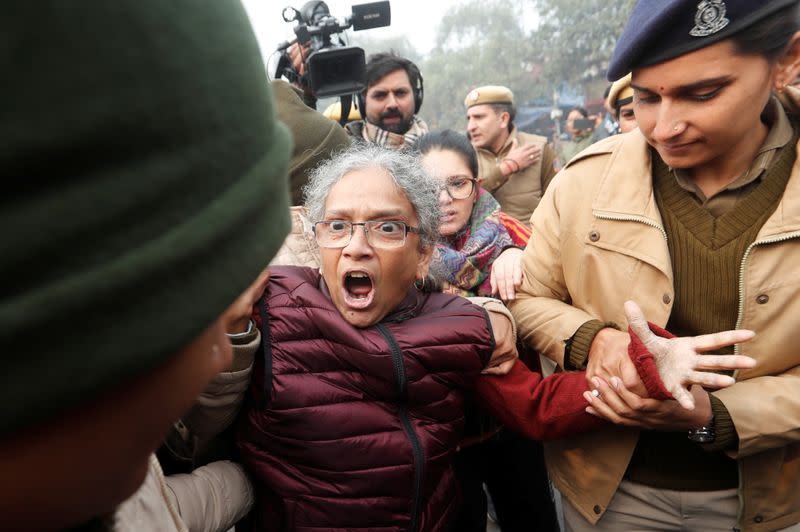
548 52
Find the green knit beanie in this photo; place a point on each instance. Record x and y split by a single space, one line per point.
145 188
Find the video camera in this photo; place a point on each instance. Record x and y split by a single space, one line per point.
332 67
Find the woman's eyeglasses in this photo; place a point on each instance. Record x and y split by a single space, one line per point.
379 233
459 186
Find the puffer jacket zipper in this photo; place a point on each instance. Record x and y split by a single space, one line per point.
402 411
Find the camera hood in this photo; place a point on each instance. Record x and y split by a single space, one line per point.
337 71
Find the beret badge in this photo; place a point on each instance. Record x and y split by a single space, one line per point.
709 19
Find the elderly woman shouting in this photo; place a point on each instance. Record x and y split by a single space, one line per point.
357 401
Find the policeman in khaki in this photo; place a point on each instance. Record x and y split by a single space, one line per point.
515 167
695 215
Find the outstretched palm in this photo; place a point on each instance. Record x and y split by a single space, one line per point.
680 361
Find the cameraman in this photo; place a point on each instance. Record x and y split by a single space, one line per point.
390 103
579 127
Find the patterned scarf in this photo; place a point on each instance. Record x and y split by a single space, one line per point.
466 259
387 139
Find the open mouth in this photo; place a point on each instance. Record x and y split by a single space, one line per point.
358 288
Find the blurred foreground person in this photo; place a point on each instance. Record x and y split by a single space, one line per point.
358 398
696 216
145 190
515 167
314 136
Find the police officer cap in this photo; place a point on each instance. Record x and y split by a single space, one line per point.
658 30
621 93
489 94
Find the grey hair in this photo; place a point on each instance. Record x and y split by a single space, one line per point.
404 168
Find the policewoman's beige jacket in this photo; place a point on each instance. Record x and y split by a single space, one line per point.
598 240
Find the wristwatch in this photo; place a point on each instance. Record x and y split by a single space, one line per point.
705 434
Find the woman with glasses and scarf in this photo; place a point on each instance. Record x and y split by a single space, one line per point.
480 247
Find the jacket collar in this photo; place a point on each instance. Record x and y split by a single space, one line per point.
627 191
626 183
507 144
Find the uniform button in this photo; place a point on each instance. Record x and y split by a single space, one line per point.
597 509
666 299
758 518
762 298
594 236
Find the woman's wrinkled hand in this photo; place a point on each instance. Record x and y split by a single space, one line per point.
505 351
680 361
506 274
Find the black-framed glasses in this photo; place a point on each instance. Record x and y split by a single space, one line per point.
379 233
459 186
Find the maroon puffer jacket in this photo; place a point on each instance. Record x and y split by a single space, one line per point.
353 428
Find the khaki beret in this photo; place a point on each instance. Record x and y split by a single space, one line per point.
489 94
620 90
334 112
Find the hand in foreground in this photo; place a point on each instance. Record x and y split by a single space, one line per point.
525 155
506 274
608 358
298 54
679 360
505 352
237 316
617 404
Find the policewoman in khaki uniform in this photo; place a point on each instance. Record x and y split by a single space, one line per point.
696 216
620 103
515 167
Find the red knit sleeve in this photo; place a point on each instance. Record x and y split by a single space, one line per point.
554 408
540 409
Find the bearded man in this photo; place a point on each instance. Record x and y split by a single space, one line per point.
390 103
